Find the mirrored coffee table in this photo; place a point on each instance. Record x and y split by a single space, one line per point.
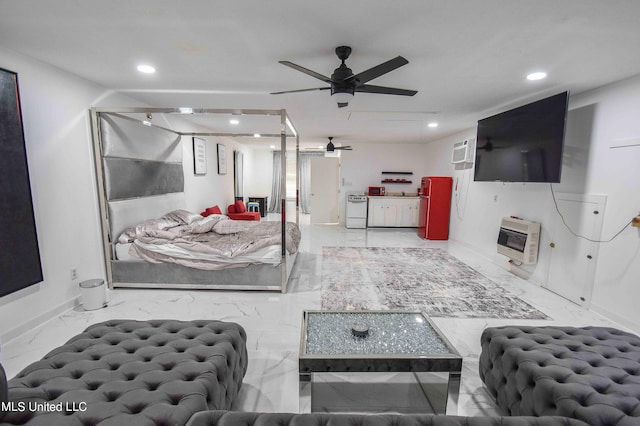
379 342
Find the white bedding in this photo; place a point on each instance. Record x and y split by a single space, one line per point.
122 252
210 243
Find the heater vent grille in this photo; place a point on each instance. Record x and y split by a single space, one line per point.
519 240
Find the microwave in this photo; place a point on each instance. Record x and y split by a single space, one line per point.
375 191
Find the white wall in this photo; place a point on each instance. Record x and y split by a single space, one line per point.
55 111
596 120
202 191
616 172
258 172
362 167
55 108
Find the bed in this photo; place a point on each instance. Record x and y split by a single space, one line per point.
151 240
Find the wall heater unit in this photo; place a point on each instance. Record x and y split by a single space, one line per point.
463 152
518 239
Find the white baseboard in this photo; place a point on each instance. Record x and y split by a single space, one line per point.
52 313
625 324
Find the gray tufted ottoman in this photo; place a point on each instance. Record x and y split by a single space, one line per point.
124 372
590 373
236 418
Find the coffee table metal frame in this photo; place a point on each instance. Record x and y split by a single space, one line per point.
450 363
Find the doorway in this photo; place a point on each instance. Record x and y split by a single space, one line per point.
325 180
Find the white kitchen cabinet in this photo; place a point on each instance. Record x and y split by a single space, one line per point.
408 212
389 211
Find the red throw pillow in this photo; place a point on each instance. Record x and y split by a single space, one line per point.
204 213
240 208
214 210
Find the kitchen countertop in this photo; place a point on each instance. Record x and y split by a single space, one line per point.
393 196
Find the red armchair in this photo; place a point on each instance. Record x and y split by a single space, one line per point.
238 211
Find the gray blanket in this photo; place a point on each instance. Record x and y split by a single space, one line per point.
210 243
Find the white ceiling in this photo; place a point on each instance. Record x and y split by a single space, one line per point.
467 58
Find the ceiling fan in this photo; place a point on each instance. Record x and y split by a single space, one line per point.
343 83
489 146
331 147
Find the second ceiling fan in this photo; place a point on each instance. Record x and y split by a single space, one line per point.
331 147
343 83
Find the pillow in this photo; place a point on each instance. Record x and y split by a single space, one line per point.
239 205
214 210
182 216
204 225
132 232
211 210
128 235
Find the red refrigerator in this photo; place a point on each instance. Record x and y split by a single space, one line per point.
435 207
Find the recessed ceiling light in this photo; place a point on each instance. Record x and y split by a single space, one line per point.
256 135
146 69
432 125
272 146
234 121
539 75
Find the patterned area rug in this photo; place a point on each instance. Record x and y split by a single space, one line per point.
428 280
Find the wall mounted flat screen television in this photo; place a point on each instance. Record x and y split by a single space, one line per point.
523 144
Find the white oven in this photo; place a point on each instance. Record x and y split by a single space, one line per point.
356 210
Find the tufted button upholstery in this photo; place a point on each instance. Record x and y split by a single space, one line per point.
4 392
590 373
156 372
229 418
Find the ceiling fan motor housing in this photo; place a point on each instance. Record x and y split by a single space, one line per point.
341 74
339 80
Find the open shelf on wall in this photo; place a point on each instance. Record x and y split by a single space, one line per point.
396 180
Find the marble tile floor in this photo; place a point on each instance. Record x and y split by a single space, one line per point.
272 320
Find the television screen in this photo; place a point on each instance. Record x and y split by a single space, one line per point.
524 144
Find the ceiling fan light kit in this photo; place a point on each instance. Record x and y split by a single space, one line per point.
344 84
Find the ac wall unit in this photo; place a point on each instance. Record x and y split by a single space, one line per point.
463 152
519 239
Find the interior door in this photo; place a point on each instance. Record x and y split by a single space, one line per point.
325 179
573 259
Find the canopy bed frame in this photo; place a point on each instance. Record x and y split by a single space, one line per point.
140 175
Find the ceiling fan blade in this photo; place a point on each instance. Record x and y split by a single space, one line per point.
379 70
368 88
300 90
306 71
345 148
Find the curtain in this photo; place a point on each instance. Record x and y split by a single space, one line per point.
304 169
274 200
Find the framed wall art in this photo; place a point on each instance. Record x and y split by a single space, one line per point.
21 264
222 160
199 157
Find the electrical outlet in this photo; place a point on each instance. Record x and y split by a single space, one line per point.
74 273
495 198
